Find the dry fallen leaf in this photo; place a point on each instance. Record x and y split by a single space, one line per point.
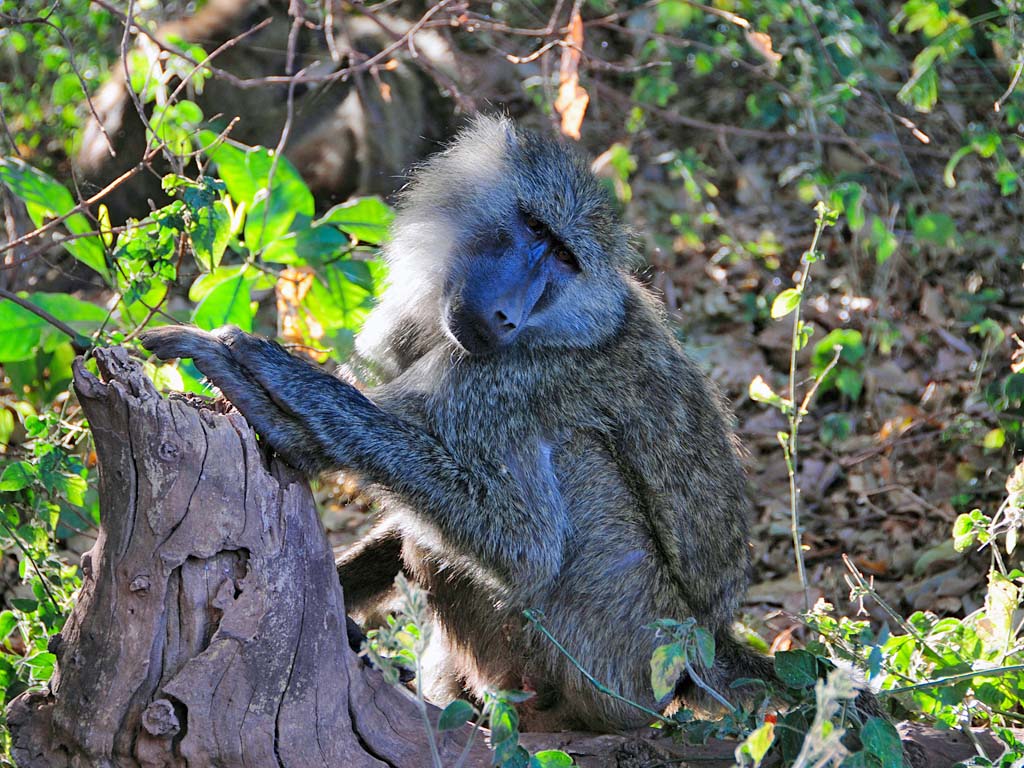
292 287
573 98
762 44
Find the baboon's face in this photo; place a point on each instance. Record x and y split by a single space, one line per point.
511 275
507 241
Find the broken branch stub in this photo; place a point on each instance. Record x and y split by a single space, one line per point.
210 627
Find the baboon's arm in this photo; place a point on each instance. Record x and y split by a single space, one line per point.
513 519
368 568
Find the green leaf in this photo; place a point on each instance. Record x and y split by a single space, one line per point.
229 303
885 242
785 302
850 382
455 715
882 740
210 234
757 744
17 476
509 754
366 219
246 172
504 724
994 439
8 621
551 758
964 532
336 302
24 605
22 332
796 669
46 199
705 646
41 665
313 244
668 662
937 228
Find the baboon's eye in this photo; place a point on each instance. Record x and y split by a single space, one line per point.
536 226
565 256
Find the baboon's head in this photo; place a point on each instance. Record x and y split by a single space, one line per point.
507 239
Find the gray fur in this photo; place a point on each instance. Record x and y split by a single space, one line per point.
588 471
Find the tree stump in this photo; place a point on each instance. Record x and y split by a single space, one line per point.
210 627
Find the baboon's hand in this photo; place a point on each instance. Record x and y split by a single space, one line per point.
236 363
208 350
173 341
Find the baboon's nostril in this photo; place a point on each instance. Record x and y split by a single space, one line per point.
503 322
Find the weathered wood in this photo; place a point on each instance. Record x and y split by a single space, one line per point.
210 628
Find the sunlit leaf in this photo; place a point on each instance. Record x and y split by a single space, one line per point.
668 662
455 715
785 303
366 219
46 199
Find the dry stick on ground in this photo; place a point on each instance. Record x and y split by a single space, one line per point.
210 626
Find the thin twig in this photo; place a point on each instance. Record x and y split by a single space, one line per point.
83 205
77 339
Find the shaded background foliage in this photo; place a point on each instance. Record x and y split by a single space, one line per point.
257 194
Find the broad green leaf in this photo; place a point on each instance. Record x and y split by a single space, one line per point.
551 758
964 532
937 228
311 244
668 662
796 669
230 303
8 621
785 303
81 315
41 665
16 476
504 723
757 744
210 234
882 740
45 199
22 332
455 715
366 219
246 172
6 425
336 302
850 382
24 605
705 646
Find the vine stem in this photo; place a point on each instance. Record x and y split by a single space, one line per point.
422 706
590 678
791 446
950 679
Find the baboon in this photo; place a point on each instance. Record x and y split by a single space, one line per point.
538 437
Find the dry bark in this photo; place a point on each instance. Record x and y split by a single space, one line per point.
210 628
